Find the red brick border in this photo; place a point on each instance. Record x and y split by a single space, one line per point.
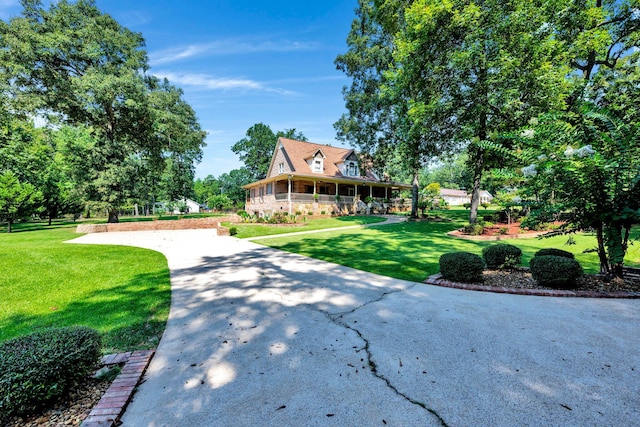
115 400
437 280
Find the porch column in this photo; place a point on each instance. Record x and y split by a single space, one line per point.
289 193
371 191
315 190
356 192
337 193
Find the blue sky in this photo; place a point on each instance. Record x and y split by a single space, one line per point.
242 62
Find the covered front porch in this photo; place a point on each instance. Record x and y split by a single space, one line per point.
316 196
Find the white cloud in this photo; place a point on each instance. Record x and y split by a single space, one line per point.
205 81
226 47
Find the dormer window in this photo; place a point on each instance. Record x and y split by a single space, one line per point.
352 169
317 165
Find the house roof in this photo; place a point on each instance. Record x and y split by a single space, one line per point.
297 153
453 193
461 193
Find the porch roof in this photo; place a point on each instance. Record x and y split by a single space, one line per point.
324 178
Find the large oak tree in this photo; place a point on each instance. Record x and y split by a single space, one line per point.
78 66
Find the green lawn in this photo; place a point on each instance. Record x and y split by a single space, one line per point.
122 292
411 251
247 230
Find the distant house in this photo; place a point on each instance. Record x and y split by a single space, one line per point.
312 178
460 197
192 206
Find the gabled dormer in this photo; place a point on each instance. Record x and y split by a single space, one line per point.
349 166
316 162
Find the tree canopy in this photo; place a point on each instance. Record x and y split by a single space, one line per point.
75 65
256 148
17 200
430 77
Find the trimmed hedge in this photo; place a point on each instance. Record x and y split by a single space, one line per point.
461 267
555 271
501 256
554 252
38 368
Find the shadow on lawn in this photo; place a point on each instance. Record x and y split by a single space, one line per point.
115 312
409 251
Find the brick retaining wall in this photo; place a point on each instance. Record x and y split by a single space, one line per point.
179 224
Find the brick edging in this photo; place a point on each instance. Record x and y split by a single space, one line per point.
437 280
111 406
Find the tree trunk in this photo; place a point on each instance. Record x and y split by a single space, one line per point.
9 222
602 253
414 195
478 166
475 191
113 216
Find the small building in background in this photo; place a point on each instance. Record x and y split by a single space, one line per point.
460 197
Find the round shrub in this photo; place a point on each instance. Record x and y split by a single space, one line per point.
461 267
473 229
38 368
555 271
501 256
554 252
233 231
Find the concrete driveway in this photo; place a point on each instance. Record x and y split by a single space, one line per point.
260 337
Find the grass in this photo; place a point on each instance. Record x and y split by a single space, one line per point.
411 251
248 230
122 292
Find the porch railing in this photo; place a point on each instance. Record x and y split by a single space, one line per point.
325 198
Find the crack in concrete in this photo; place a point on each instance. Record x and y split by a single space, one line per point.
374 371
337 319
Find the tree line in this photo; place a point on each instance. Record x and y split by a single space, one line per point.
113 134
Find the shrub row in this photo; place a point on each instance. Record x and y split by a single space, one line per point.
38 368
549 267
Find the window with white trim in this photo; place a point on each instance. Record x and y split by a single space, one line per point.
281 168
317 166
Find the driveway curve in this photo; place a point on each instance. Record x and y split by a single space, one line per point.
257 336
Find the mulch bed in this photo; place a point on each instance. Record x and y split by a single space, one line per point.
521 278
71 410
